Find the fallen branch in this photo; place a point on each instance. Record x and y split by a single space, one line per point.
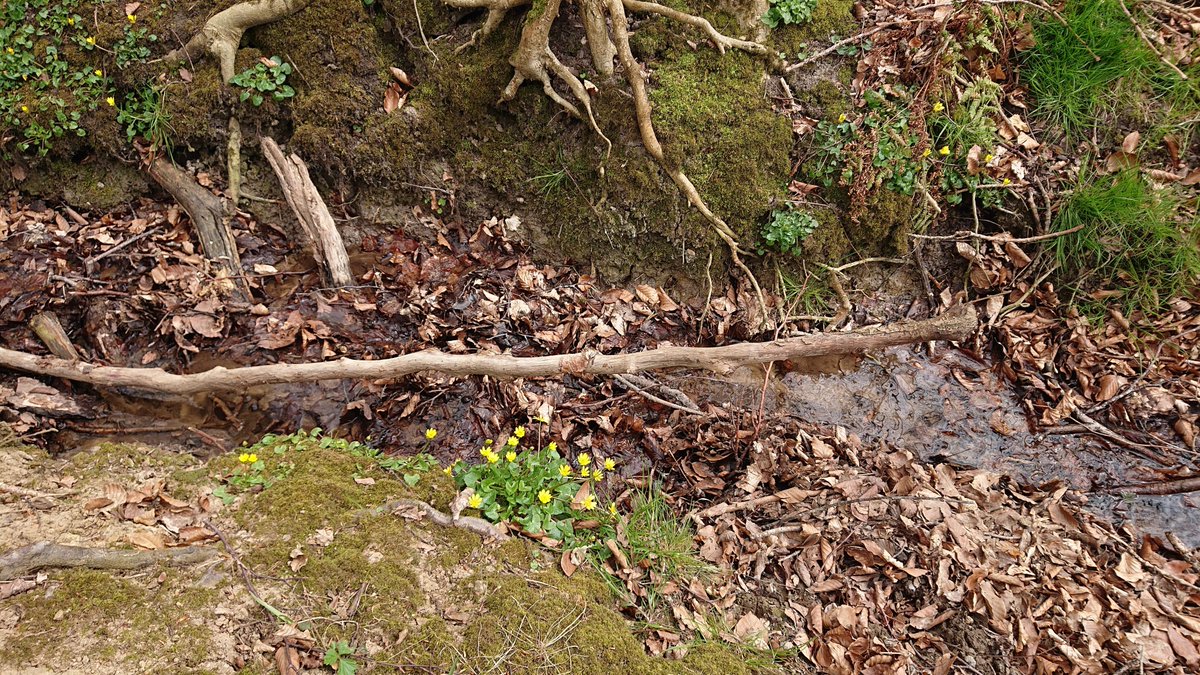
320 232
479 526
634 383
1166 487
50 331
956 324
48 554
31 494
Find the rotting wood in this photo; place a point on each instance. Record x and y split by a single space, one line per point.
1166 487
470 523
50 331
208 218
316 223
49 554
956 324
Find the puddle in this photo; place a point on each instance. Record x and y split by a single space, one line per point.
954 409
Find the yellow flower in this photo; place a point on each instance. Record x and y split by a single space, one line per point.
430 434
541 419
132 18
585 459
253 458
927 152
589 503
475 501
111 101
492 458
597 475
564 470
988 157
512 441
71 21
938 107
841 118
584 473
485 451
9 50
244 458
612 508
488 442
1007 181
91 41
519 432
510 456
544 496
25 108
553 447
609 464
944 150
99 73
448 469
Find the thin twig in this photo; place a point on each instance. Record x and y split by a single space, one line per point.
245 572
784 529
1146 38
1000 239
675 406
31 494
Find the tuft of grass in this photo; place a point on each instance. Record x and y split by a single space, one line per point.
1129 241
1077 69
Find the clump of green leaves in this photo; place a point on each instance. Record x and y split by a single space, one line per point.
789 12
144 114
339 657
968 127
1129 241
537 490
131 48
787 229
45 88
268 77
880 146
661 542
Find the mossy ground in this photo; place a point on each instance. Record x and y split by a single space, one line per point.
398 590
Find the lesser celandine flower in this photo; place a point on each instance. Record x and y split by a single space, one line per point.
132 18
585 459
512 441
244 457
111 101
610 464
475 501
612 508
944 150
544 496
584 473
564 470
597 475
510 456
589 503
553 447
938 107
519 432
430 434
99 73
492 458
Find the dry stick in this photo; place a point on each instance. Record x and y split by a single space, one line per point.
1146 39
469 523
784 529
245 572
1168 487
675 406
89 262
1000 239
31 494
956 324
50 331
316 222
49 554
731 507
842 43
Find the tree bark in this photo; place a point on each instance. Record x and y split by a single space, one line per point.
48 554
956 324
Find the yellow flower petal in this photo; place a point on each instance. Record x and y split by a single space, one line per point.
519 432
564 470
609 464
430 434
612 508
510 456
585 459
944 150
111 101
589 503
475 501
553 447
544 496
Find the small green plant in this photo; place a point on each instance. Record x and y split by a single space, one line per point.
1128 240
789 12
788 229
970 123
879 147
339 658
144 114
130 48
409 468
267 77
536 489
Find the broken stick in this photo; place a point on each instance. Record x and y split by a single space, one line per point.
48 554
50 331
957 324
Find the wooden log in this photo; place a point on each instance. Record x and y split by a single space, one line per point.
316 223
956 324
48 554
50 331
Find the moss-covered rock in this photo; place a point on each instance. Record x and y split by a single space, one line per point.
99 183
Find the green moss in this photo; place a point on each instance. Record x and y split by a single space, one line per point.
93 613
99 184
825 99
117 459
830 18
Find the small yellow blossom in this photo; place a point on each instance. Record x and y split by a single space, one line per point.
598 475
544 496
589 503
585 459
612 508
91 41
927 152
564 470
553 447
512 441
430 434
253 458
110 101
519 432
988 157
938 107
541 419
132 18
99 73
944 150
448 469
485 451
841 118
510 456
8 50
488 442
1007 181
475 501
492 458
71 21
25 108
584 473
609 464
244 457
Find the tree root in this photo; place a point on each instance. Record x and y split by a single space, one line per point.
222 33
422 509
956 324
48 554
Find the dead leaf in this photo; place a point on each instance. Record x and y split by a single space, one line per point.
146 540
751 630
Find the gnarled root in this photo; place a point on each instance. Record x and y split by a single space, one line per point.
48 554
222 33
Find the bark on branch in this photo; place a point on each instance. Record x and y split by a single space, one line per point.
956 325
48 554
222 33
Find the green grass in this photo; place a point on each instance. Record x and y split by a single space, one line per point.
1131 241
1075 70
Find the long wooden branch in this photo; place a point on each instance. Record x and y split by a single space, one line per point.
49 554
956 324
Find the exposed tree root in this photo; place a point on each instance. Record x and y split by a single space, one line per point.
50 331
422 509
222 33
957 324
48 554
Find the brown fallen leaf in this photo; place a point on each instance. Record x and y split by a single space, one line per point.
147 540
